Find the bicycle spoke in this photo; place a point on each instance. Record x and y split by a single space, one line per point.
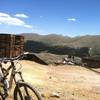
26 90
29 95
20 94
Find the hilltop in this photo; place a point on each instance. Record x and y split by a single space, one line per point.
54 39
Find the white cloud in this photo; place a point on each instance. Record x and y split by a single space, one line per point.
4 14
9 20
28 26
21 15
71 19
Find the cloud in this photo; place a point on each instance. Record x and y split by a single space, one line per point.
21 15
71 19
9 20
4 14
28 26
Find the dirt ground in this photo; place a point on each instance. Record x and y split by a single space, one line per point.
63 82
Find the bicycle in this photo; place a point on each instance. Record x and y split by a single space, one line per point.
22 90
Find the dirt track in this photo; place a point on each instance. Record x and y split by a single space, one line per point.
69 82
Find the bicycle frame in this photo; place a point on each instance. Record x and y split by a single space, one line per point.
19 82
5 73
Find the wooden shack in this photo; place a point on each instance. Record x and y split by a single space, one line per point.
11 45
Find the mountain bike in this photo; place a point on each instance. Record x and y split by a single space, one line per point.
22 90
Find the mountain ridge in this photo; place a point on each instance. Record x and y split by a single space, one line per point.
52 41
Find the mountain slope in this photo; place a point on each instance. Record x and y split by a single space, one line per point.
53 42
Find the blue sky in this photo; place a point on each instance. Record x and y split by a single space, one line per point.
66 17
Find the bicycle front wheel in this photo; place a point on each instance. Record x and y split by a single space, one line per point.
24 91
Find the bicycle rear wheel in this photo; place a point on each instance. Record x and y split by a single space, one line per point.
24 91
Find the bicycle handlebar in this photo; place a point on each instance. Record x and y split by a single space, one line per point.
15 58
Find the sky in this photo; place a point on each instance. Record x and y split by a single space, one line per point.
63 17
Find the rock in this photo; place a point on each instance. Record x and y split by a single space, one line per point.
50 77
70 63
54 94
72 93
83 95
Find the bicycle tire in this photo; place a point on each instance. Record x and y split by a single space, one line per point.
25 86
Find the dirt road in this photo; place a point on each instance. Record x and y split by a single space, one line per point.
63 82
